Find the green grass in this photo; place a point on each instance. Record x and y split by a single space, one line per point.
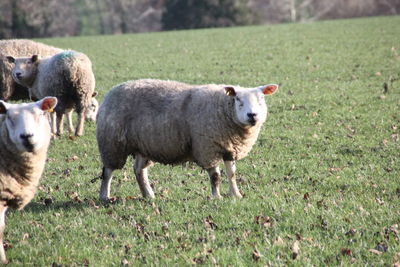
327 160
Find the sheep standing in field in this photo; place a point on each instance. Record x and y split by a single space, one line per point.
90 114
67 75
171 122
24 139
9 89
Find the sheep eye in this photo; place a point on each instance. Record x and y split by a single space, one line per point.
240 102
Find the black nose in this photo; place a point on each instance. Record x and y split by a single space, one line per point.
251 115
18 74
25 136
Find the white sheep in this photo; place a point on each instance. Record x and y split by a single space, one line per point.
9 89
24 139
90 113
171 122
67 75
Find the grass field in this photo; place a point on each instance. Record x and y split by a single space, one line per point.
324 175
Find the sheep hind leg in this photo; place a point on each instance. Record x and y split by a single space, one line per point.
3 258
140 168
105 187
230 171
215 179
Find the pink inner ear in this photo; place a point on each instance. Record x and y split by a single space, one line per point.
270 89
48 103
230 91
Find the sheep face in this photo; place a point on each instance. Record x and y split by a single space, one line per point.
25 69
27 125
91 111
249 103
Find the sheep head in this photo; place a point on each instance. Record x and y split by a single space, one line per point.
249 104
25 69
27 125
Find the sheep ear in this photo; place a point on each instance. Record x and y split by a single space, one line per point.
34 58
10 59
94 93
47 104
230 91
3 107
269 89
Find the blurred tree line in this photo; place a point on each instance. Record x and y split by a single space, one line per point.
48 18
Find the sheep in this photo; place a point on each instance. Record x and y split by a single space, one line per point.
91 111
9 89
90 114
171 122
67 75
24 140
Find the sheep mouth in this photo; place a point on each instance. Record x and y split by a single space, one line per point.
252 122
28 146
17 78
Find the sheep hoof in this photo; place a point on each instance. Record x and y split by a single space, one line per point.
149 196
104 199
217 196
236 195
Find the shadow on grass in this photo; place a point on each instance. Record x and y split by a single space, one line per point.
45 206
61 205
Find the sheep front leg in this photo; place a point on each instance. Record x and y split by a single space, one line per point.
53 122
3 258
106 177
140 168
230 171
60 122
215 179
69 121
81 121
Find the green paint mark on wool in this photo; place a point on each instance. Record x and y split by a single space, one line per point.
66 54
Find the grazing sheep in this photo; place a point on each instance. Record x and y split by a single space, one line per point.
67 75
90 114
92 109
9 89
24 139
171 122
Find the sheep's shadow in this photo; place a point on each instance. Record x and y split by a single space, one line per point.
37 207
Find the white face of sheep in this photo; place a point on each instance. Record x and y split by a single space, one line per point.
250 107
24 70
91 111
27 125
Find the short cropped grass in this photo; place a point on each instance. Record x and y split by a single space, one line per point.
324 173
